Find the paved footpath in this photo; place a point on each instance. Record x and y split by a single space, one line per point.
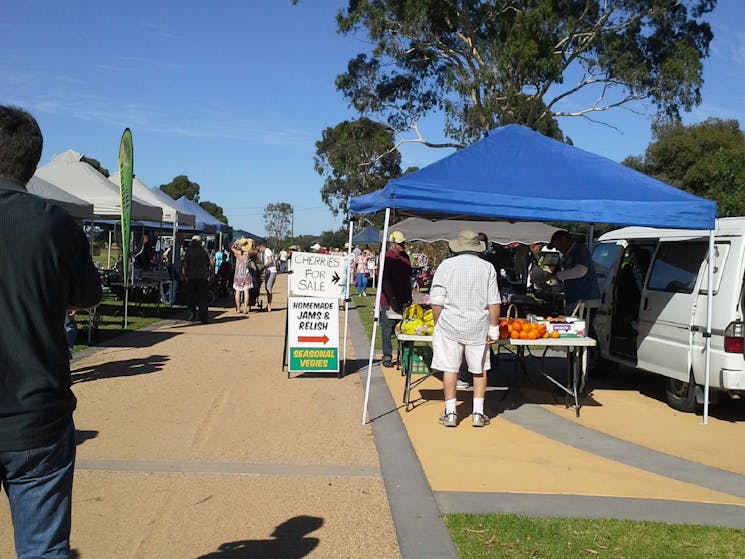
193 443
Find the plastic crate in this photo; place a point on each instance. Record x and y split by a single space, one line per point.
421 359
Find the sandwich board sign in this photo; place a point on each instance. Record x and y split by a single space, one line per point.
312 334
316 275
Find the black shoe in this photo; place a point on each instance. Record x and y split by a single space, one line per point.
190 316
387 363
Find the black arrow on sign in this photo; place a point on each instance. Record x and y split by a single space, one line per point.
335 278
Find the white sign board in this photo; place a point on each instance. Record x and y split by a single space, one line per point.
312 334
316 275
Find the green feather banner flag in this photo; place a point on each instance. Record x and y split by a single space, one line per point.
125 190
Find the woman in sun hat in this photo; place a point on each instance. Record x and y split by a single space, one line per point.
242 280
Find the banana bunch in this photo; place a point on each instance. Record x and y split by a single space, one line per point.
411 325
413 311
429 317
417 321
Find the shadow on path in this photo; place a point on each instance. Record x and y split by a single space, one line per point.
289 542
124 368
82 435
138 338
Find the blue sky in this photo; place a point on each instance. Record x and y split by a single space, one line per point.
234 94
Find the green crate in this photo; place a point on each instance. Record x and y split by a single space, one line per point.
421 359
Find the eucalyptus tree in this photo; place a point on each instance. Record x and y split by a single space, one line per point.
355 157
485 63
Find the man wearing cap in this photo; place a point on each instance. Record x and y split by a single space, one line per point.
577 273
196 269
396 290
465 304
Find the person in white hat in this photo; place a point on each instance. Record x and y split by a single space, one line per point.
465 304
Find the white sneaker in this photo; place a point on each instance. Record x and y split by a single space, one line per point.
462 385
479 420
449 419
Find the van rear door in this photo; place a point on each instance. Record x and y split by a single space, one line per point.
605 259
667 308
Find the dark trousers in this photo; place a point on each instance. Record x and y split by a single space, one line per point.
38 482
198 297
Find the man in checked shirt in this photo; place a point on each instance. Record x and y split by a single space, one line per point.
465 303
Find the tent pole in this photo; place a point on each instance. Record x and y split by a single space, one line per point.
347 263
709 304
376 314
108 258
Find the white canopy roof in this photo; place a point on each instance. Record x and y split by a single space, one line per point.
68 172
156 197
74 205
500 232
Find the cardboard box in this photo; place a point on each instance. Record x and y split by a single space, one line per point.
567 326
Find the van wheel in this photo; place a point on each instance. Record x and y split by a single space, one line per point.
681 395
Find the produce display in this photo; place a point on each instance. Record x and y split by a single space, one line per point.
522 329
566 326
417 321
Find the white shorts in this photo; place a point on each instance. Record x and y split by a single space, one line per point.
447 355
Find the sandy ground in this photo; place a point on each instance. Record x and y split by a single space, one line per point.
194 443
630 408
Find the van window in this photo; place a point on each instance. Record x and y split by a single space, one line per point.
721 250
604 259
676 266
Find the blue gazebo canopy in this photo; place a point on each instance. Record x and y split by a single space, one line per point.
368 236
516 173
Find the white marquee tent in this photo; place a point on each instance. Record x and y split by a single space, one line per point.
156 197
70 173
75 206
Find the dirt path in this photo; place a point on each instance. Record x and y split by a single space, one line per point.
194 443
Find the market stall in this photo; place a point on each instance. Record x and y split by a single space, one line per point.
517 174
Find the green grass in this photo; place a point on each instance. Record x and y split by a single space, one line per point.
111 313
517 537
513 537
365 307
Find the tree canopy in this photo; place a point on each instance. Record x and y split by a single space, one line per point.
214 210
486 63
355 157
278 220
181 186
706 159
96 164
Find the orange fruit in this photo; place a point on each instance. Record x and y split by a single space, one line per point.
554 334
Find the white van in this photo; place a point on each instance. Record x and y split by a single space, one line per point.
653 285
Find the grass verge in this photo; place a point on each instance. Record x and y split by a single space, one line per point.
365 307
512 537
111 315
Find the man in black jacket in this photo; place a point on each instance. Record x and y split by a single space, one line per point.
197 266
45 269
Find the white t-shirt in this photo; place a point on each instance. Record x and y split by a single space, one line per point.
269 259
